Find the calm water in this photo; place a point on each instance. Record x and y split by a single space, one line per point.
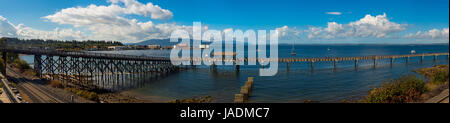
297 84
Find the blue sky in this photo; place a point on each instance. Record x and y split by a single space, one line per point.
412 16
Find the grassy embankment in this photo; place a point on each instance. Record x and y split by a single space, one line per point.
82 93
408 89
103 97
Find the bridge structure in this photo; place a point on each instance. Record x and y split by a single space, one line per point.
96 71
114 72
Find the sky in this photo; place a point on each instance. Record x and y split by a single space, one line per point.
298 21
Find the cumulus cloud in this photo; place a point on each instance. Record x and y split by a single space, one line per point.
430 34
108 15
109 22
6 28
60 34
334 13
370 26
288 32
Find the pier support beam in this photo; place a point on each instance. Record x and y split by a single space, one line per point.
4 63
407 60
435 57
335 64
421 60
356 64
213 66
392 61
38 65
312 66
287 66
375 62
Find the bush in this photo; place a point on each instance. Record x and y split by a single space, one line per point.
441 77
21 64
83 93
436 75
402 90
56 84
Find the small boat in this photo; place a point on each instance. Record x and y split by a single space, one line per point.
293 53
413 51
329 49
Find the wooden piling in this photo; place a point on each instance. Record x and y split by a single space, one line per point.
245 92
287 66
407 60
421 60
249 86
392 61
239 98
250 79
375 62
335 64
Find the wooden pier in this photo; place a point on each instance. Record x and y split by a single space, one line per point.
113 72
356 60
97 71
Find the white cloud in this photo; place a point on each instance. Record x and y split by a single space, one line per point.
430 34
109 22
135 7
369 26
289 32
334 28
334 13
6 28
60 34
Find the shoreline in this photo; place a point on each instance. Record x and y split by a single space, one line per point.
127 97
